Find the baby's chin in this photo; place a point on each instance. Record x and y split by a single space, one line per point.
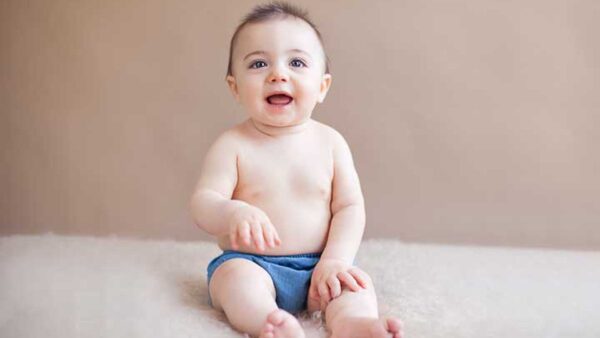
281 121
281 125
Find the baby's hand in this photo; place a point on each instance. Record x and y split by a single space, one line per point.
330 275
251 226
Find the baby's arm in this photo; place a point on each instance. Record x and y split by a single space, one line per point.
345 231
211 205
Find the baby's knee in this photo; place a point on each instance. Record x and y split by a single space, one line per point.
240 271
233 269
236 278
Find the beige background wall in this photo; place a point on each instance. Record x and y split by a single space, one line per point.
470 121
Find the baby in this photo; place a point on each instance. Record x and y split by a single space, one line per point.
280 192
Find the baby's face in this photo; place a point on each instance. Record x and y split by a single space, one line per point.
278 72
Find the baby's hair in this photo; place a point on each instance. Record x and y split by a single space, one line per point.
271 11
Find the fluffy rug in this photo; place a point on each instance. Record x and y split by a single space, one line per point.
66 286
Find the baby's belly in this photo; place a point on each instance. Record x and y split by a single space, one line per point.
302 225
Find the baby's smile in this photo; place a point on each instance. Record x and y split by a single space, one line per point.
279 99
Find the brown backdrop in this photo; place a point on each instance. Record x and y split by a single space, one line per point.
470 121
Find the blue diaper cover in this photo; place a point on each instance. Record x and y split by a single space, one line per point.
290 274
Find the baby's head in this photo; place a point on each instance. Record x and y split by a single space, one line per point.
278 69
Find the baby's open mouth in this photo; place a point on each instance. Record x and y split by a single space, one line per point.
279 99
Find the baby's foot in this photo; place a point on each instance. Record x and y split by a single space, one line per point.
389 327
281 324
368 327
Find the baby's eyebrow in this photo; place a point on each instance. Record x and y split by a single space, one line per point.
254 53
296 50
258 52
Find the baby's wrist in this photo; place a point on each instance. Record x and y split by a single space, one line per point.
230 209
234 206
333 259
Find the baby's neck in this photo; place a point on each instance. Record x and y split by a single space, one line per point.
280 131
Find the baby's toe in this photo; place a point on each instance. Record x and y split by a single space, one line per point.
268 328
281 324
276 317
267 331
394 325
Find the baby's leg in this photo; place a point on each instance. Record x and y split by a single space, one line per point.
355 314
245 292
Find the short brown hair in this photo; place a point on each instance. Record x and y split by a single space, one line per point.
274 10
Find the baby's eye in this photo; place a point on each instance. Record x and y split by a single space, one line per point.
297 63
258 64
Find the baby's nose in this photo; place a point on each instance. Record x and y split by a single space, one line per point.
278 76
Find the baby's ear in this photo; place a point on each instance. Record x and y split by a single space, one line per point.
325 84
233 87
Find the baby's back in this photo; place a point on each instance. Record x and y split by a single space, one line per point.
289 177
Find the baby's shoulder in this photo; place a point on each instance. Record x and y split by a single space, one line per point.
237 134
330 134
229 141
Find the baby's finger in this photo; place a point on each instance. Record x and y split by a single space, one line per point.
348 280
361 277
334 287
312 292
323 293
257 235
244 233
233 238
276 239
268 235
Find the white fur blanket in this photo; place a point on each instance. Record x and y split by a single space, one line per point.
67 286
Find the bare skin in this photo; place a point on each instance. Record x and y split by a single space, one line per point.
281 183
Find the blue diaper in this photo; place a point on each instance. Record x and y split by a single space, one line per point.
290 274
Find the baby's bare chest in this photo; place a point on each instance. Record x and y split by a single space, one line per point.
292 172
